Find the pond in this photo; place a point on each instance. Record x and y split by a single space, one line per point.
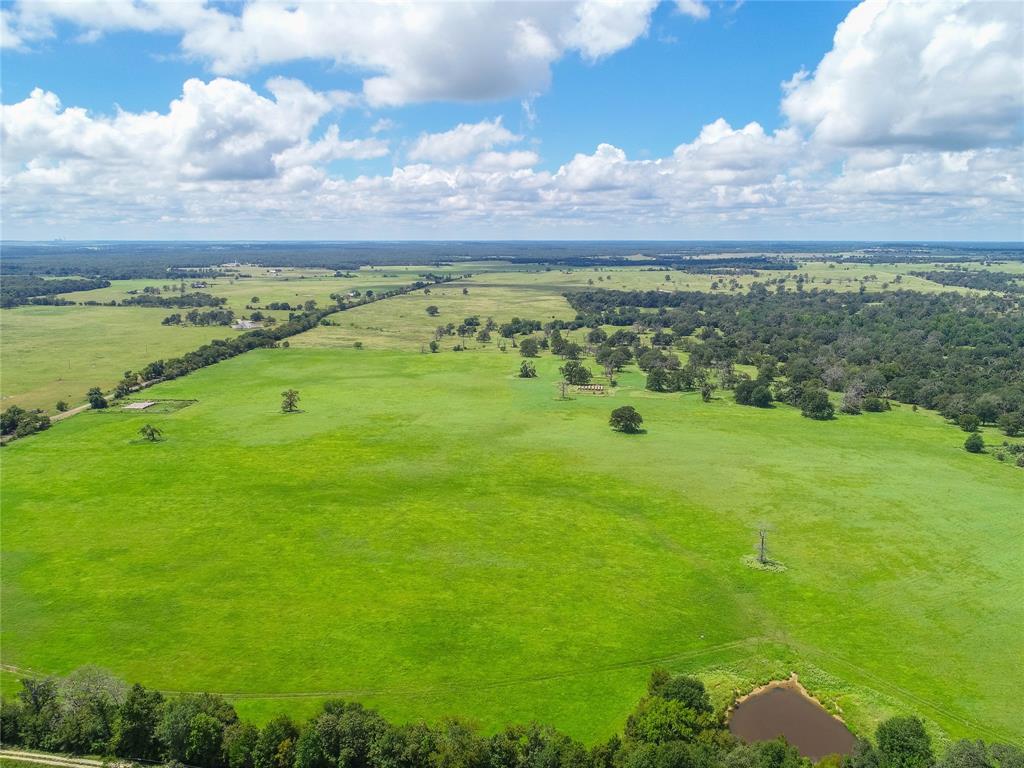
785 709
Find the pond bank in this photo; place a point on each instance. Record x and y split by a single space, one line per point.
784 708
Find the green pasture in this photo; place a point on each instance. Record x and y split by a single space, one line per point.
537 293
402 322
57 353
432 535
294 286
50 353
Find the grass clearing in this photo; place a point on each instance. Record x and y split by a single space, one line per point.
433 536
57 353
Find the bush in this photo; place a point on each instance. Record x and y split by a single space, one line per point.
1012 424
527 370
974 443
877 405
968 422
814 404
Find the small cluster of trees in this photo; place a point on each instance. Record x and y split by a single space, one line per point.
19 422
195 317
673 726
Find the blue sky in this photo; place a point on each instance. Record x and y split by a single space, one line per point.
633 122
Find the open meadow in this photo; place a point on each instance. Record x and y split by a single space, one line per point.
432 535
57 353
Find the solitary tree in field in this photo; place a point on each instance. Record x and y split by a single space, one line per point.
96 398
762 545
149 432
626 419
432 310
527 370
290 400
974 443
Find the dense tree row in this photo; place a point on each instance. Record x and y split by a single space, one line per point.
157 260
673 726
981 279
194 299
195 317
16 290
957 354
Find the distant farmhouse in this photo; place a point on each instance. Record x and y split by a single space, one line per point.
246 325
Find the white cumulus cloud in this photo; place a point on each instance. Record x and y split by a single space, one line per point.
462 141
943 74
461 50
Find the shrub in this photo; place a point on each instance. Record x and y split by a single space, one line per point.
974 443
814 404
968 422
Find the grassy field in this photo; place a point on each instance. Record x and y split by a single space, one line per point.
53 353
294 286
433 536
537 293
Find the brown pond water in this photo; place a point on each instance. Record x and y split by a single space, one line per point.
784 709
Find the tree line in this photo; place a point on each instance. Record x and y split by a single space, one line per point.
16 290
673 726
982 279
178 301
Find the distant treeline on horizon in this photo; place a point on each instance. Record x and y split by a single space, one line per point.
120 260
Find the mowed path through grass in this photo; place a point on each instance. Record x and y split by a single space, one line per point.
434 536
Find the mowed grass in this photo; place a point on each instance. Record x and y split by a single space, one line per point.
434 536
57 353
